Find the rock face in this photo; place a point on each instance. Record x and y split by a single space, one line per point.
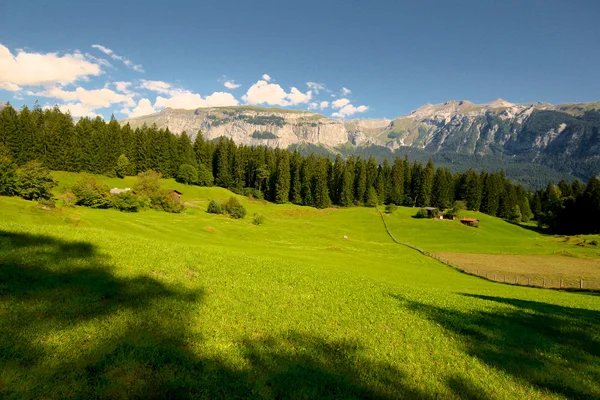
539 132
251 125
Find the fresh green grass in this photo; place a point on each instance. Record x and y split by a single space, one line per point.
103 304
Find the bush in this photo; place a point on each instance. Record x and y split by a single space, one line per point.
123 167
148 183
390 208
68 198
46 203
372 197
90 193
128 202
252 192
214 207
234 208
166 201
35 181
258 219
187 174
422 213
515 214
456 209
205 176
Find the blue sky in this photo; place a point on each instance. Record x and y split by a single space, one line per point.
339 58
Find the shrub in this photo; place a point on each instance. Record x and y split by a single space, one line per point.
258 219
255 193
515 214
390 208
68 198
214 207
128 202
234 208
422 213
372 198
35 181
123 167
456 209
187 174
205 176
90 193
166 201
46 203
148 183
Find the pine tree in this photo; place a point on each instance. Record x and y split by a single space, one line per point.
282 180
320 186
397 182
360 181
295 177
222 170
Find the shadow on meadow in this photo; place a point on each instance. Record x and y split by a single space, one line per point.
553 348
71 327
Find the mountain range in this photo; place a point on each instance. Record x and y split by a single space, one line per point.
564 137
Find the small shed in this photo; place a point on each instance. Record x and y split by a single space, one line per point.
432 212
176 193
474 222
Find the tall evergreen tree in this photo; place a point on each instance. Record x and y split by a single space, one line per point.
282 180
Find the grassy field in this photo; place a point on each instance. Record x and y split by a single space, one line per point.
513 253
103 304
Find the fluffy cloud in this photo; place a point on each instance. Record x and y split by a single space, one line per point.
43 69
11 87
77 110
339 103
144 107
128 63
346 91
349 110
231 85
123 87
92 99
266 77
158 86
315 87
313 106
323 104
188 100
263 92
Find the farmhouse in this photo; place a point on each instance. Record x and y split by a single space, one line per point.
176 193
470 222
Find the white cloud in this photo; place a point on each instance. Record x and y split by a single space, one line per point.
346 91
11 87
188 100
158 86
323 104
123 87
315 86
231 85
266 77
313 106
76 110
92 99
144 107
128 63
339 103
43 69
348 110
263 92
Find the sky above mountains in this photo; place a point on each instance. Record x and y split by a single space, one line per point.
339 58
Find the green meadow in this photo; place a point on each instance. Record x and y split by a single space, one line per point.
311 304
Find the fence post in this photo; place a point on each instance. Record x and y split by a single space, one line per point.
561 283
581 284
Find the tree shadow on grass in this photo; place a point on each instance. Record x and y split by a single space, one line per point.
131 338
554 348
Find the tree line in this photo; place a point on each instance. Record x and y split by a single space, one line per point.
280 175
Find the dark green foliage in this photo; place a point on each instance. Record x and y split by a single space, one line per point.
264 135
390 208
282 179
187 174
422 213
214 207
264 120
205 176
456 209
234 208
9 182
165 200
128 202
123 167
372 197
515 214
35 181
258 219
90 193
